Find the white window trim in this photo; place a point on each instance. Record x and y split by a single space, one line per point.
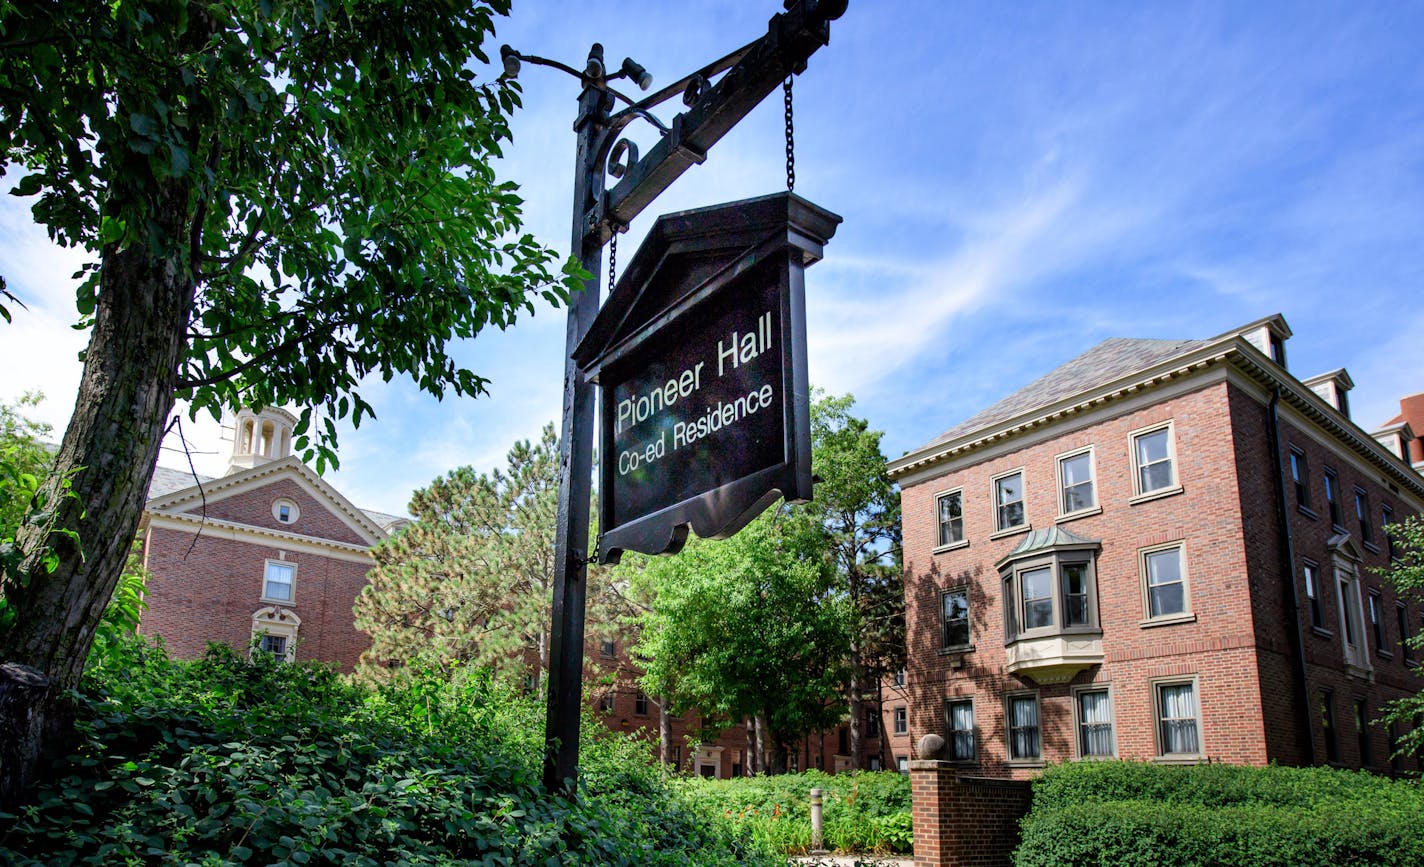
1138 496
1177 758
994 504
292 507
963 530
277 622
1096 507
1036 761
1078 722
897 713
1357 656
1186 615
263 590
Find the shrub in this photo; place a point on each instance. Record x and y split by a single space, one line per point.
227 760
862 812
1132 813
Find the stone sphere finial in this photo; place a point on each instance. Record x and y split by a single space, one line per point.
931 747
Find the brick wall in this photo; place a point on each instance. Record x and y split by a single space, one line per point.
208 590
254 508
1238 646
963 821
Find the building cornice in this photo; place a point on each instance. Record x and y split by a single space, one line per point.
234 531
1233 350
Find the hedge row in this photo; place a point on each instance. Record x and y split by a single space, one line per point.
1128 813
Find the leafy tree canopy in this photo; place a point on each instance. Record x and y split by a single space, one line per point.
1406 573
25 458
749 626
320 171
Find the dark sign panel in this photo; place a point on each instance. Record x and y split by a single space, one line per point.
708 408
701 367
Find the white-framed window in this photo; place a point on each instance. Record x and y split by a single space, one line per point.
640 704
1093 709
1332 496
954 618
1362 512
959 722
1021 720
1375 604
1390 531
901 718
1077 488
279 581
1164 582
949 512
1312 594
1352 623
274 631
1009 501
1178 712
902 764
285 511
1154 460
1300 475
898 678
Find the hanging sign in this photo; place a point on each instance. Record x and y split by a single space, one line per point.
700 360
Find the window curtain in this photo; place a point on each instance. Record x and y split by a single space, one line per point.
1024 723
1179 719
961 724
1095 714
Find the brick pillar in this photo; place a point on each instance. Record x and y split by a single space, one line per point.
964 821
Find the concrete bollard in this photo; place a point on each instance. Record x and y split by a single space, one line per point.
816 836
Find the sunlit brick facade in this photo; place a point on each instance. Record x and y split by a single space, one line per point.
1137 556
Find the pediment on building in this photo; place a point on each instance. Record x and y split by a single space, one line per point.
253 498
1341 545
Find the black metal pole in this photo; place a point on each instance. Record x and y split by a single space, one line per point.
561 723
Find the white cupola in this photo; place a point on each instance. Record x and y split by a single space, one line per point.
260 437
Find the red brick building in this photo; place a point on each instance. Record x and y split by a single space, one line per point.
1161 550
269 551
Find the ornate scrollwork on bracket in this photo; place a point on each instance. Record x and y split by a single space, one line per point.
623 156
697 85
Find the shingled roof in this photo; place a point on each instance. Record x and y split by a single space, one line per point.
1109 360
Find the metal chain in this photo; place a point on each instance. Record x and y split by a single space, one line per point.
790 138
612 260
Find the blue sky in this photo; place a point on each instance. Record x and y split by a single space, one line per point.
1018 182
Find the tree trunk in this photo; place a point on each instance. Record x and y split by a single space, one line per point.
664 733
857 706
108 453
759 724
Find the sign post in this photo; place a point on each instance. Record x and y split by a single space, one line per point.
751 73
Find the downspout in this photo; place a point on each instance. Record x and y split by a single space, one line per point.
1288 553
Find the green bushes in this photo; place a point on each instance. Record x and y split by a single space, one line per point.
1130 813
864 812
229 761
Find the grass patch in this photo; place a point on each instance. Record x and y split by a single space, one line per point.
865 812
